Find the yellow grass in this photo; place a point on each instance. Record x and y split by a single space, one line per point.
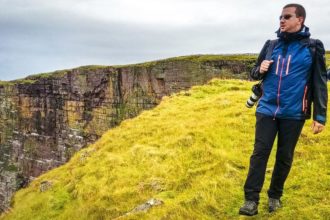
192 152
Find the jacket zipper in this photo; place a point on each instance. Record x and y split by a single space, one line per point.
279 88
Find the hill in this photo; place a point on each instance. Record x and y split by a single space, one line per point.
46 118
190 154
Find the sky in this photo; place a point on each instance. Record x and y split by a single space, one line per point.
42 36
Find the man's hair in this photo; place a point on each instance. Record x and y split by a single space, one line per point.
300 11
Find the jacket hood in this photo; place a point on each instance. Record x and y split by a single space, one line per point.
303 33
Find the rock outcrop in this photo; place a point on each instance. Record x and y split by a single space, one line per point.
45 119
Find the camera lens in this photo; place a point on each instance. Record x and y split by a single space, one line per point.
256 94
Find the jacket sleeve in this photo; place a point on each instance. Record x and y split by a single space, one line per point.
255 74
320 90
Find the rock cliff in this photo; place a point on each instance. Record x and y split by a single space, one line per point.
46 118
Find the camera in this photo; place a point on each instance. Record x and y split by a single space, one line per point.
256 94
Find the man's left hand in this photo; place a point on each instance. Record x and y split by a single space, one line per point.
317 127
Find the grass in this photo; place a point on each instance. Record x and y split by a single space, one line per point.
55 74
327 57
192 152
249 58
4 83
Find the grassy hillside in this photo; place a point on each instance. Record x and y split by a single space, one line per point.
192 153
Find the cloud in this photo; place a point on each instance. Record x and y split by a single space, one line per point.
40 36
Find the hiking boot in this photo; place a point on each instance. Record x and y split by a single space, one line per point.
249 208
274 204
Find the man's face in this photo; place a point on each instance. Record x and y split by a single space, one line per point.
289 22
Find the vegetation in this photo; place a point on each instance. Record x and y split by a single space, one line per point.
92 67
327 56
7 83
198 59
192 152
58 73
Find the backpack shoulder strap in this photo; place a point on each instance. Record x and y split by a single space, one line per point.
270 49
312 47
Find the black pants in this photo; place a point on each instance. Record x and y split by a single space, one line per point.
266 129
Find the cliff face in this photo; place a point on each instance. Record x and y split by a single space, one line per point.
44 120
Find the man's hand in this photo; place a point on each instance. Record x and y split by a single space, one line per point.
317 127
265 66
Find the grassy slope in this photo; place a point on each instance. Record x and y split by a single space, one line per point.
192 152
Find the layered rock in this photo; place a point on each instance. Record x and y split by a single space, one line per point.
45 119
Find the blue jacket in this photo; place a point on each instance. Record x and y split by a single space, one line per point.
294 80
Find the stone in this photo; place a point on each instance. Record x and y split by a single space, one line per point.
147 205
45 185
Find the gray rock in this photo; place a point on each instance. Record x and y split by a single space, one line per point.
45 185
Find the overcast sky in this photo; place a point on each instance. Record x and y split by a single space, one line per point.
41 36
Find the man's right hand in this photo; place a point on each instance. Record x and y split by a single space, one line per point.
317 127
265 66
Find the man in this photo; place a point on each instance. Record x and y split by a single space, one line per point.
293 78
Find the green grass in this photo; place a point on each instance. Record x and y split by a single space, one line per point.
55 74
4 83
61 73
327 56
192 152
249 58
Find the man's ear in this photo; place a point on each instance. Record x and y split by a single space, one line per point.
301 20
